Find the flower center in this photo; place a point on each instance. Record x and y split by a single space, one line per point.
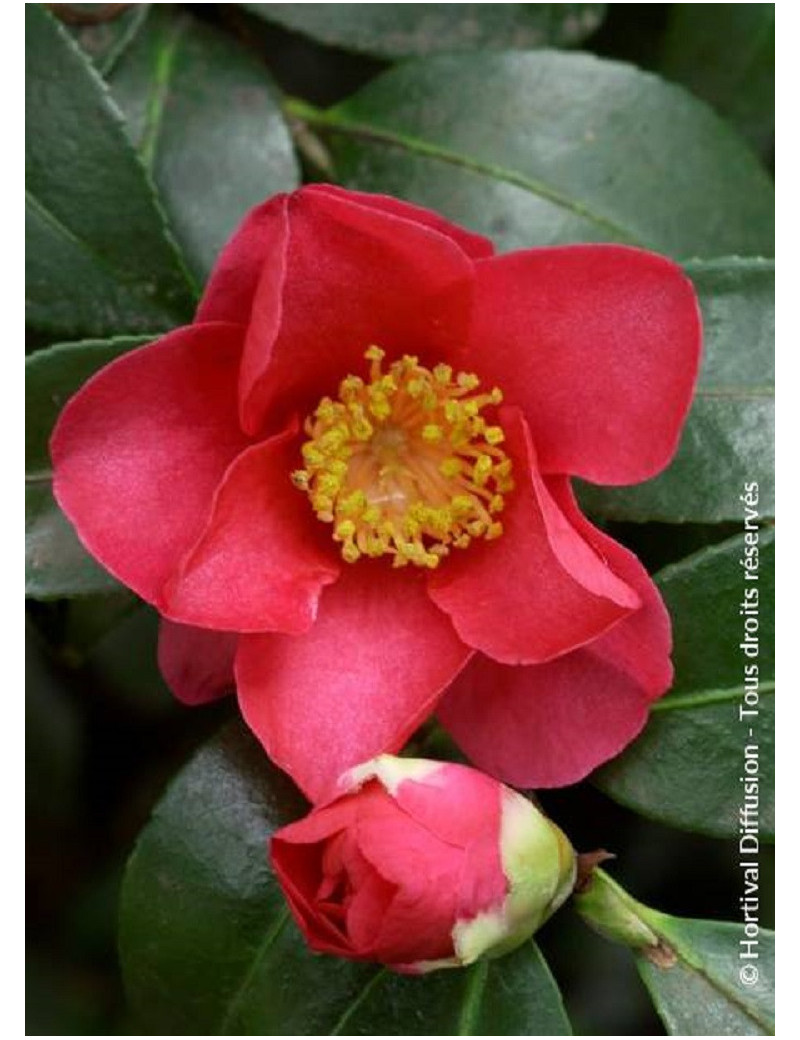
405 464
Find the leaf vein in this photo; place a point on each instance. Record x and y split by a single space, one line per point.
266 944
357 1001
156 102
702 698
475 989
339 124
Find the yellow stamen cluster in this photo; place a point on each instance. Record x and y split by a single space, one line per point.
405 463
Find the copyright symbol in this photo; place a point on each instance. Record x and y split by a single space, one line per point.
748 974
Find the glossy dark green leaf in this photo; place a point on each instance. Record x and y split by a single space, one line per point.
204 115
687 766
703 994
105 40
405 30
695 972
208 945
98 258
729 438
56 564
124 662
533 148
725 53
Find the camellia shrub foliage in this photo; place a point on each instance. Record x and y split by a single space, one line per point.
400 398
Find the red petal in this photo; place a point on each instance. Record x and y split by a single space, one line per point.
298 869
365 676
197 664
263 558
475 246
599 344
552 724
539 590
139 450
348 277
418 923
546 725
641 643
483 884
257 242
455 803
367 910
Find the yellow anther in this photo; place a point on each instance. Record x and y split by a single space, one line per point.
443 374
461 505
494 435
482 470
350 388
405 464
379 404
329 484
311 454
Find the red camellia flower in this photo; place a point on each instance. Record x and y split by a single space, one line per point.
422 865
349 482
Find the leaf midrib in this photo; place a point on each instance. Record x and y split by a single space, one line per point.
157 98
267 942
338 123
119 275
732 393
693 964
357 1001
703 698
472 999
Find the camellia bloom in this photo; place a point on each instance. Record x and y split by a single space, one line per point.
349 481
422 865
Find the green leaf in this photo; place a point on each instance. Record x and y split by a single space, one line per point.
105 41
725 53
204 115
208 945
699 982
544 147
702 994
99 260
729 438
124 661
405 30
56 564
686 767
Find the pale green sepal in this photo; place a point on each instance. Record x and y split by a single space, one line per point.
390 771
540 867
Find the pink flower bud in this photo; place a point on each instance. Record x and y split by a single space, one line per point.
422 865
